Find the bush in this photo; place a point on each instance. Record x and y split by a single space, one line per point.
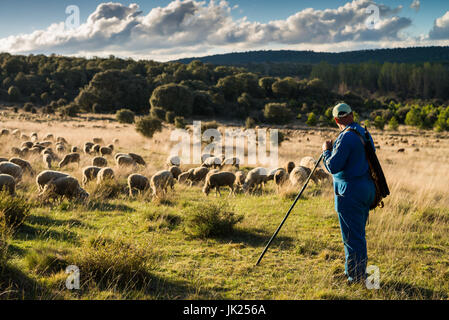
170 117
179 122
28 107
48 110
148 126
311 119
277 113
125 116
210 220
70 110
14 94
208 125
109 263
250 123
393 124
45 262
13 210
379 123
158 113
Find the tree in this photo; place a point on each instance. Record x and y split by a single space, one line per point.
277 113
173 97
148 126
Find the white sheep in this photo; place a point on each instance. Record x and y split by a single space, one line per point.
160 181
66 186
12 169
99 162
255 179
299 175
173 161
46 176
25 165
212 162
105 174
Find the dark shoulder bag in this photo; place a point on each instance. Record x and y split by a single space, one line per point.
375 170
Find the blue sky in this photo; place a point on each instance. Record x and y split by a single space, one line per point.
23 17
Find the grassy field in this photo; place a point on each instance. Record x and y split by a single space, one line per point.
139 248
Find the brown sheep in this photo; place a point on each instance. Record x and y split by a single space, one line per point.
105 151
138 159
66 186
46 176
70 158
25 165
197 174
7 183
99 162
217 180
175 171
289 167
137 182
90 173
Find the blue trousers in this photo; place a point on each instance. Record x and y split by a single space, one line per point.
352 201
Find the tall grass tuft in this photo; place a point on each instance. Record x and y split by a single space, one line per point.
112 263
206 220
13 210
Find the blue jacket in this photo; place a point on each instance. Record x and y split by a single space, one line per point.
347 160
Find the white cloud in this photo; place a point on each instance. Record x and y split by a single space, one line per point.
188 26
416 4
440 28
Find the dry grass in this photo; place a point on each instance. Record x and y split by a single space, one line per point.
408 239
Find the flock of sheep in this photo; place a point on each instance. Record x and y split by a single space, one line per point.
214 172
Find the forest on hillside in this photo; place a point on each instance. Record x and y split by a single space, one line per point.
387 93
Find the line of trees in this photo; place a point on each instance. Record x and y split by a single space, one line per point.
170 90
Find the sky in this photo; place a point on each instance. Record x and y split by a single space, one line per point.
164 30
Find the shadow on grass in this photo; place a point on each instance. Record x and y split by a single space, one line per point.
48 221
404 290
16 285
256 238
104 206
29 232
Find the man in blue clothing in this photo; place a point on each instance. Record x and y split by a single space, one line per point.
354 189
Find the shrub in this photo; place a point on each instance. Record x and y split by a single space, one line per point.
110 263
209 125
45 262
158 113
48 110
125 116
277 113
148 126
250 123
393 124
379 123
27 107
179 122
311 119
14 93
210 220
70 110
13 210
170 117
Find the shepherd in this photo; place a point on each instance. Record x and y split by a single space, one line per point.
354 188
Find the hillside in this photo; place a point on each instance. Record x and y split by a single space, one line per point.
399 55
